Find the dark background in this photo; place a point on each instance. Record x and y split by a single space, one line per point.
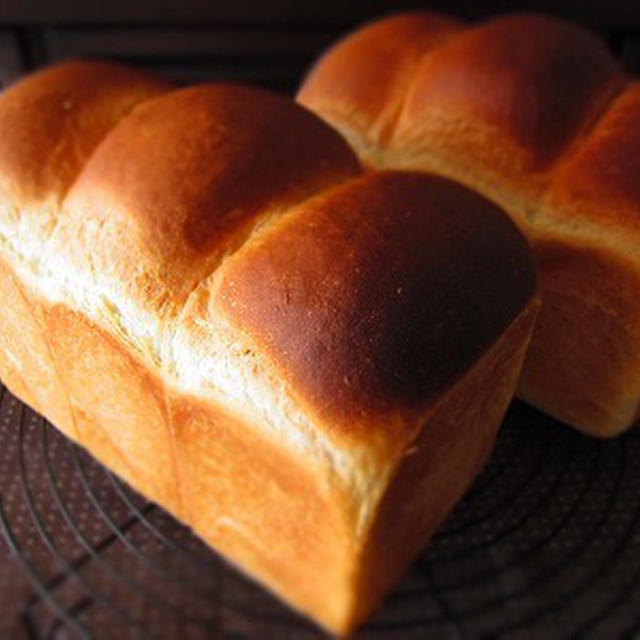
270 42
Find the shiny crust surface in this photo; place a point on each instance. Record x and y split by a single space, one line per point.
366 333
534 81
63 113
535 114
210 294
600 181
529 82
191 180
343 86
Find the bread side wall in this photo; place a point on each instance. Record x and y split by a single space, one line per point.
583 366
254 501
440 465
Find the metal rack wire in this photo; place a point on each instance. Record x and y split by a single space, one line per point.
546 544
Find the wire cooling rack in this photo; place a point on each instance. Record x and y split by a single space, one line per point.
545 545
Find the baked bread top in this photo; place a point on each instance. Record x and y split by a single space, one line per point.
531 110
231 240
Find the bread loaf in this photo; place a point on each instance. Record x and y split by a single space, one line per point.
305 363
535 114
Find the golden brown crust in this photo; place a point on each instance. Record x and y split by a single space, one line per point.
590 306
270 512
363 80
535 114
27 365
54 119
136 350
441 462
120 413
203 164
600 181
530 82
414 278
